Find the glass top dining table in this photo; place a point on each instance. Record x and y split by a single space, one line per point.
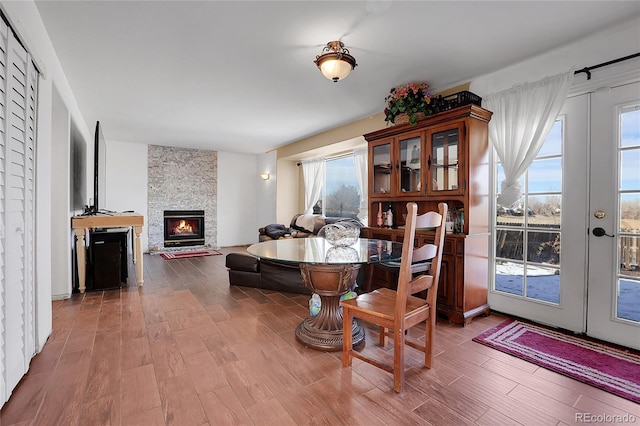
330 272
318 250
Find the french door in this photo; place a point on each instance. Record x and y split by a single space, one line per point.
613 308
569 257
540 245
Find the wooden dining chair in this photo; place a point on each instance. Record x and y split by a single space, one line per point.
396 311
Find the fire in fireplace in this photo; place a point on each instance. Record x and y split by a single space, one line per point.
183 228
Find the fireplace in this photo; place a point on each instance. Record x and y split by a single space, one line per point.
183 228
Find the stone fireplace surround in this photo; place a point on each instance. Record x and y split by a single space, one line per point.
181 179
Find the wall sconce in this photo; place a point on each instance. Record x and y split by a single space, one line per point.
265 176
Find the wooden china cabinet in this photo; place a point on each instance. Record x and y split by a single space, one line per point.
443 158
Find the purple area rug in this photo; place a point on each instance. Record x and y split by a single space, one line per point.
610 368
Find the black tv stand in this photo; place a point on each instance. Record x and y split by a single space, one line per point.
108 258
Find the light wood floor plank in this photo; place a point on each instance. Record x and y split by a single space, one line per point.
189 349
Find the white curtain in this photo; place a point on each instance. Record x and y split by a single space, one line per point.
360 159
313 173
522 118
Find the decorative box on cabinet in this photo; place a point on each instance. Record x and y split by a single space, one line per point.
452 166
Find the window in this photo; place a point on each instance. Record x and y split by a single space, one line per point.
528 232
340 194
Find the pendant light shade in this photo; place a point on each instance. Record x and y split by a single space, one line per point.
335 62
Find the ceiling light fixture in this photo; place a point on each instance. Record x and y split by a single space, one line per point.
335 62
265 176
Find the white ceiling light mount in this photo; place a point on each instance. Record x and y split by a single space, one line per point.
335 62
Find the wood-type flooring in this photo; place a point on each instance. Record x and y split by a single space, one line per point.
188 349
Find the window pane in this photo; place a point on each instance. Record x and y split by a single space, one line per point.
545 175
628 300
630 213
553 144
543 284
509 244
630 170
629 256
543 247
342 195
630 128
544 211
507 215
509 277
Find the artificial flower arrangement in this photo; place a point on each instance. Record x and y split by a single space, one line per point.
412 99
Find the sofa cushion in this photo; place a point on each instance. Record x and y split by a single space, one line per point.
242 262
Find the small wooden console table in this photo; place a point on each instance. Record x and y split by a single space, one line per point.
106 220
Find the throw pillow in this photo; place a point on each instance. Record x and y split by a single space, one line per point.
275 230
306 222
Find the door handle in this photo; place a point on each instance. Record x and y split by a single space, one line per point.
600 232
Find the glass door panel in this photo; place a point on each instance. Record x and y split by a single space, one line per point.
534 279
410 165
382 168
444 160
628 291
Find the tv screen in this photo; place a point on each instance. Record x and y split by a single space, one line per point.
98 172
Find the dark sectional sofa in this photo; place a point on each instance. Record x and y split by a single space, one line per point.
249 271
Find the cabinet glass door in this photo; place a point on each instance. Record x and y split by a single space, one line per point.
410 165
381 168
445 160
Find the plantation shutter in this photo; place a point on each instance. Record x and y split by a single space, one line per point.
18 90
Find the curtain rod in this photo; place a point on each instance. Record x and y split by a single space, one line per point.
587 70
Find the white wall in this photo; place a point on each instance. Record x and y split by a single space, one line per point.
607 45
61 237
290 191
238 202
242 196
126 180
267 190
24 18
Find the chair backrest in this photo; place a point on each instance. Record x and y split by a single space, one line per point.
407 284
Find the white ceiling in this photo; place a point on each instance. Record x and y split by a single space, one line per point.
238 76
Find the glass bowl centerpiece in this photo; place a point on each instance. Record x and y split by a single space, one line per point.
408 104
341 235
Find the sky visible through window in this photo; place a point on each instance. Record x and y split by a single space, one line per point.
630 159
342 196
545 175
341 171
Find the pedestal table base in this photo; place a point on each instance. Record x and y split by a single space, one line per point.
324 331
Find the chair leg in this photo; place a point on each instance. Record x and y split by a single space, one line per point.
347 338
398 360
428 342
382 336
